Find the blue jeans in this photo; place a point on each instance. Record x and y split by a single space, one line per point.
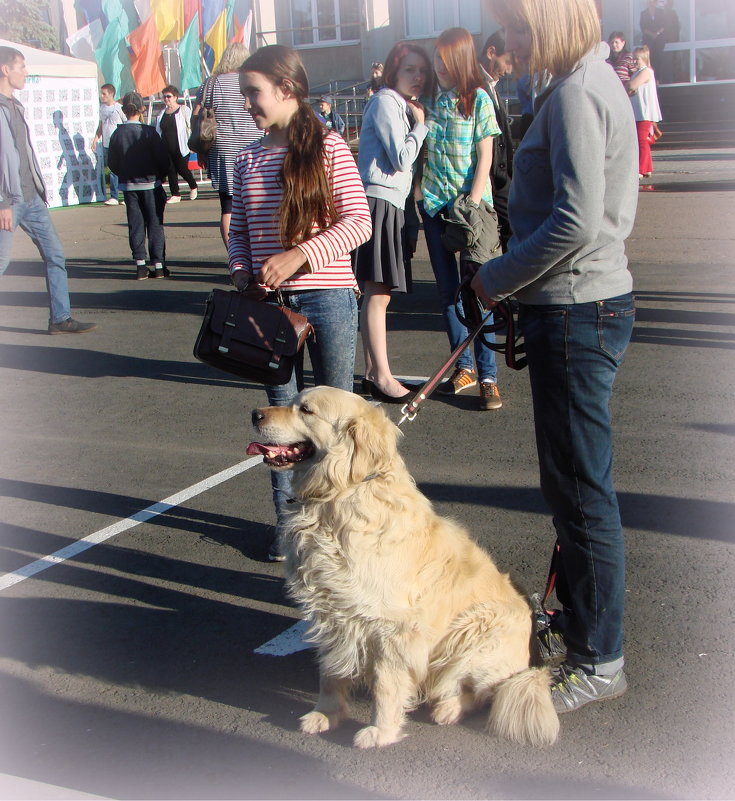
447 275
33 217
113 178
574 352
333 313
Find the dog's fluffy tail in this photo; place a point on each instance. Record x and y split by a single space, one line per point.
522 709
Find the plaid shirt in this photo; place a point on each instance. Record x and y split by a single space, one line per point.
451 149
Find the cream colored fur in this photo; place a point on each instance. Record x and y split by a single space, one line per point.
396 596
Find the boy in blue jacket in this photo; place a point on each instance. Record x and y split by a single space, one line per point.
139 158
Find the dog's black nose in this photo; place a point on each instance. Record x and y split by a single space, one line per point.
257 416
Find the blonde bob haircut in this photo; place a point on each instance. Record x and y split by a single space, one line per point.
644 53
562 31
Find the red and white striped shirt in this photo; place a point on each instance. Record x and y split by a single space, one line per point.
255 230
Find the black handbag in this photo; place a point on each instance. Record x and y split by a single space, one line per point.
204 124
253 339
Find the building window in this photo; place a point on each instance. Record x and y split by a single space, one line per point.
430 17
317 22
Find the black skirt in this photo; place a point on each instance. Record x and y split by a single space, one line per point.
381 259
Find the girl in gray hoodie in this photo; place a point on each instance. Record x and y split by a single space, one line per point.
391 136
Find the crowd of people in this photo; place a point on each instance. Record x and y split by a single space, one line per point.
303 220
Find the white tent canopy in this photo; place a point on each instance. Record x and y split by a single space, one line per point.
46 64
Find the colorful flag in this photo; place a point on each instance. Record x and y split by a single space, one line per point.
147 61
216 37
85 41
247 30
92 9
190 56
243 33
211 11
123 12
191 7
143 7
230 6
113 60
169 16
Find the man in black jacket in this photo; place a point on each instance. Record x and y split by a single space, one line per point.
496 63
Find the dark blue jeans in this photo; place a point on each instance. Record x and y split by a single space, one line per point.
446 270
574 352
144 208
333 313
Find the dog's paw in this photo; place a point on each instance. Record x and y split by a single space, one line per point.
315 723
448 711
373 737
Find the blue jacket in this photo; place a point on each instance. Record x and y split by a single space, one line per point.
137 156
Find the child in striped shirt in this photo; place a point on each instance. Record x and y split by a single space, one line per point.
298 209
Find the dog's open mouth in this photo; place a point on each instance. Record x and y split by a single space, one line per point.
281 455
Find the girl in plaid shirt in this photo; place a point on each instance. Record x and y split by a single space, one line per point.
461 127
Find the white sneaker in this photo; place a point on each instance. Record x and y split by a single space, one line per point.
174 199
112 201
193 194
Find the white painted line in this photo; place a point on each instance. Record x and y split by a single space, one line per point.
288 642
70 551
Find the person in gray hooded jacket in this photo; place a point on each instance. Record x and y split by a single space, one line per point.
392 133
572 204
23 196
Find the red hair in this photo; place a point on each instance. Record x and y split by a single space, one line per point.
393 62
456 49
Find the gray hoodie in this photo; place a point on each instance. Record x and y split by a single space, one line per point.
574 193
389 146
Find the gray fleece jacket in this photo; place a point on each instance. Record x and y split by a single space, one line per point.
19 168
574 193
389 145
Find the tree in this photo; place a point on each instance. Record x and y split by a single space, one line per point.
25 22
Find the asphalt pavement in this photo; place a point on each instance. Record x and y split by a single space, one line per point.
144 638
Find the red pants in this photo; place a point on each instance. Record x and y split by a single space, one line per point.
645 162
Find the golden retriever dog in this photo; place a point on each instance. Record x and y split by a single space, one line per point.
396 597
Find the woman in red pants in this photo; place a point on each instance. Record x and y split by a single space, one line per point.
643 96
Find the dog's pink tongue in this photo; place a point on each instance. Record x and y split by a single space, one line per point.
259 449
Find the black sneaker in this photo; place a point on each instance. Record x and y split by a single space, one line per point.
161 272
573 688
141 272
70 326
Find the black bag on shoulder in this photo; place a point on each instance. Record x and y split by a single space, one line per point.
204 124
251 338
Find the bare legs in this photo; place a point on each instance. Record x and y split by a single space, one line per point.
375 340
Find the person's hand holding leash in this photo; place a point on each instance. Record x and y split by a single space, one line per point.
477 287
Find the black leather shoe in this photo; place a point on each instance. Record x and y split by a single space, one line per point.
379 395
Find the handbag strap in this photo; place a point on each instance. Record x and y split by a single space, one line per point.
209 90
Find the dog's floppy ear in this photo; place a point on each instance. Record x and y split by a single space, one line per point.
374 439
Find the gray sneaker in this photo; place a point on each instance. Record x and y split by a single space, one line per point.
70 326
573 688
